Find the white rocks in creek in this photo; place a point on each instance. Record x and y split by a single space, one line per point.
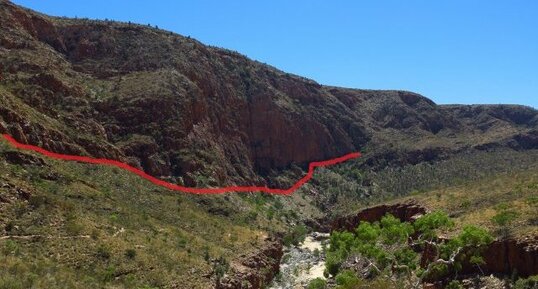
302 263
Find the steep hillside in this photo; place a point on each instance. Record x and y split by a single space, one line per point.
208 116
202 116
69 225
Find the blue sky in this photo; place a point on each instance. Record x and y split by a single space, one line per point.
457 51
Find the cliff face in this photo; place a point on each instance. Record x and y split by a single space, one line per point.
503 256
177 108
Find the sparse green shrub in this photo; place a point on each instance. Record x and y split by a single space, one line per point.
504 218
317 283
114 217
296 271
37 201
73 227
207 257
278 204
465 204
347 280
286 258
220 267
477 260
270 213
9 226
528 283
406 258
532 201
10 248
454 284
333 261
20 208
292 214
130 253
295 236
103 252
278 277
181 242
251 216
108 274
435 272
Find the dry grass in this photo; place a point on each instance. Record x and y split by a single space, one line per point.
477 202
169 232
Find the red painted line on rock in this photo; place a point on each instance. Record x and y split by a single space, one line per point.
179 188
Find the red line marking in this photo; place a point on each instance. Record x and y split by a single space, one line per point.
175 187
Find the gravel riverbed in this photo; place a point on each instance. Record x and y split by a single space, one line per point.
302 263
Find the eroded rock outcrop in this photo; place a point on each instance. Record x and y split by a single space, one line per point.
19 158
510 256
405 212
502 257
256 269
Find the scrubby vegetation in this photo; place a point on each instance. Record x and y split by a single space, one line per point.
204 116
70 225
351 186
317 283
459 169
504 217
295 236
527 283
390 248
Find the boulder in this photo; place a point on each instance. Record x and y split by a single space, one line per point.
406 212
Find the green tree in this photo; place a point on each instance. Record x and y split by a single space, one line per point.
388 248
429 224
466 247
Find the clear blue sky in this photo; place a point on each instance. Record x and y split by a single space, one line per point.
453 51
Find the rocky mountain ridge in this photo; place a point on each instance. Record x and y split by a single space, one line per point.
207 116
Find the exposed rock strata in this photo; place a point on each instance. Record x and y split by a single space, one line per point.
405 212
256 269
174 107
